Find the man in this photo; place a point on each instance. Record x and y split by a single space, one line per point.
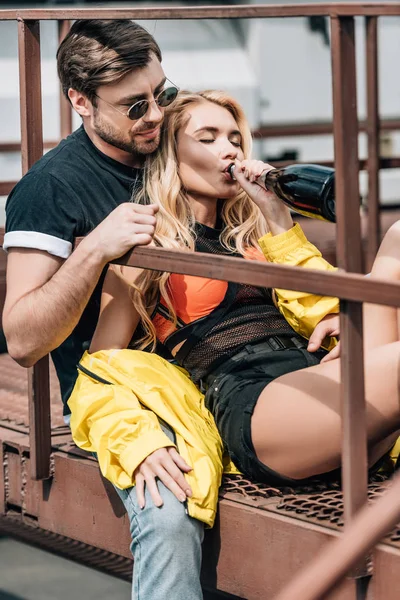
111 73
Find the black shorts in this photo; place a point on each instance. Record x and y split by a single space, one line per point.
232 393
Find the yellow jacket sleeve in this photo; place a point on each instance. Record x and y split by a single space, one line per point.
109 420
302 310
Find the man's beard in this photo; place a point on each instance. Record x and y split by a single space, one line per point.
116 138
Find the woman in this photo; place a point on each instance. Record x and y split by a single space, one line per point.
277 409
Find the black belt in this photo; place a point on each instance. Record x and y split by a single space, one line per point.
270 344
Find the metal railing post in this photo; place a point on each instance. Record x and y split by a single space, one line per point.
65 107
349 254
373 128
31 151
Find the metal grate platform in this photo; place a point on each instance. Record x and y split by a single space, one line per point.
321 503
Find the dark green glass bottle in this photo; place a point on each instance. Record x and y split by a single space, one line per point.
307 189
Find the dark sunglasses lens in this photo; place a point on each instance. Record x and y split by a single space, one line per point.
167 96
138 110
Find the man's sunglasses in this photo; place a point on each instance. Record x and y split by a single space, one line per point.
140 108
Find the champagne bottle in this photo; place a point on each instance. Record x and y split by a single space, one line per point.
306 189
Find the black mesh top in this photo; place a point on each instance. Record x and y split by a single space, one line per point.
246 315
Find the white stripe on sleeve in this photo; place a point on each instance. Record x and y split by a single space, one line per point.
37 241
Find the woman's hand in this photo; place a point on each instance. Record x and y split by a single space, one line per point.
274 211
168 466
329 326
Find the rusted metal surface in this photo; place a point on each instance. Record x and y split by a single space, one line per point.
320 503
373 128
363 533
39 418
346 144
16 146
270 130
65 106
252 553
248 544
14 416
250 541
30 93
210 12
354 420
349 254
240 489
13 465
385 583
2 481
6 187
326 505
78 483
32 150
14 412
75 502
81 486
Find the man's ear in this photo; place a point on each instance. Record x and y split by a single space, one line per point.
80 103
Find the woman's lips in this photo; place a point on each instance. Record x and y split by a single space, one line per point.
228 177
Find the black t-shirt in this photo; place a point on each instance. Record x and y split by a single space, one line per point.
65 195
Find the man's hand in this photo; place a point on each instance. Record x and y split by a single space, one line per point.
126 226
168 466
328 326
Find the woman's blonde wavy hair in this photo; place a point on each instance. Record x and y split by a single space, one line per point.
243 223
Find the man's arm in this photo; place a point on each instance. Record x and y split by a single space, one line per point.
46 296
45 300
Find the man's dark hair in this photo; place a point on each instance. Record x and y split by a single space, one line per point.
98 52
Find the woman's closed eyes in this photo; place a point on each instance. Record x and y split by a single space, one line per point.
211 140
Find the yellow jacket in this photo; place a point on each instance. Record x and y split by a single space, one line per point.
303 311
120 421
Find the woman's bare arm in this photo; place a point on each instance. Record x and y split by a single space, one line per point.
118 317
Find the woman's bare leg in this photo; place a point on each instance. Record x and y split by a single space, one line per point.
296 425
381 323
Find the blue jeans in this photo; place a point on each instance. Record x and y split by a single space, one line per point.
166 545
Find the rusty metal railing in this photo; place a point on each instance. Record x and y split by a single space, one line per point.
353 289
372 125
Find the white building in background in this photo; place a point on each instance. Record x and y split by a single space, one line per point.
279 69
